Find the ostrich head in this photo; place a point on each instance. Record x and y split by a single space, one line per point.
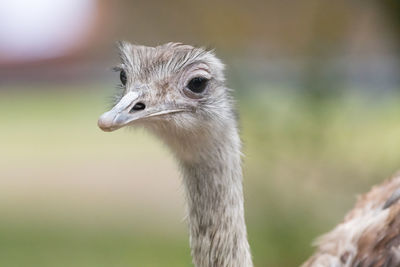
174 90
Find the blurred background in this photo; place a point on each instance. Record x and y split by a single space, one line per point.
318 90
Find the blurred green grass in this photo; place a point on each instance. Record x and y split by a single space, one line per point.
54 245
304 163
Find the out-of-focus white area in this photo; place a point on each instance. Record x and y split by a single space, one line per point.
31 30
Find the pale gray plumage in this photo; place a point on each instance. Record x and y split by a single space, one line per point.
201 130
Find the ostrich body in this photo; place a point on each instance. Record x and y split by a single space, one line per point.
369 236
178 93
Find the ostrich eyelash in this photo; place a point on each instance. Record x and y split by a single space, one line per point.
119 67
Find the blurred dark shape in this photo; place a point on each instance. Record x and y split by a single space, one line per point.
392 9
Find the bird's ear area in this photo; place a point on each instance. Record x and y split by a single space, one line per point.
216 66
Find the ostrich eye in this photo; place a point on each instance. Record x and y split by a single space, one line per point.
197 85
122 77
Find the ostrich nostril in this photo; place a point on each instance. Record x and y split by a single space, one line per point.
138 106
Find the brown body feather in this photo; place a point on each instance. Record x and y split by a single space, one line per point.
369 236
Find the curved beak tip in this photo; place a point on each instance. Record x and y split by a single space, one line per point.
103 128
105 123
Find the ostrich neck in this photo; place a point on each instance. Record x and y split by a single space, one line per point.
213 184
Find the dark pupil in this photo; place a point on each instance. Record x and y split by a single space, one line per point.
122 77
197 85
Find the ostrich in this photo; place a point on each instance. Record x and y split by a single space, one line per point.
178 93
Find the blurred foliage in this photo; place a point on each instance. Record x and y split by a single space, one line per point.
304 162
55 245
307 160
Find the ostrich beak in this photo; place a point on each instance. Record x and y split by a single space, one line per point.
131 108
119 115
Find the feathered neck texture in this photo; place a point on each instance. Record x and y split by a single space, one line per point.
213 185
